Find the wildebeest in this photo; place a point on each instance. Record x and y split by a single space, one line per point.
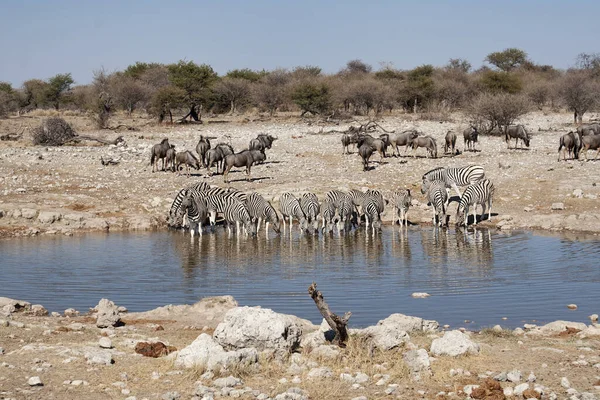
424 141
256 144
202 147
517 132
189 159
347 140
569 142
589 129
263 141
470 136
170 158
159 152
242 159
450 142
377 144
402 139
365 151
590 142
217 155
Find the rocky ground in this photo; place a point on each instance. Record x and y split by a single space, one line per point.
215 349
65 189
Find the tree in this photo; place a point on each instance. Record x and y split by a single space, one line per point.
138 69
579 92
357 67
500 110
128 92
271 91
311 97
103 98
589 62
195 81
58 85
8 100
34 93
306 72
234 91
458 64
508 59
419 85
368 94
247 74
500 82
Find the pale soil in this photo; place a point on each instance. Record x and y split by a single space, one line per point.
47 348
88 196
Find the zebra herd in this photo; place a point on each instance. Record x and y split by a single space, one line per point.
199 203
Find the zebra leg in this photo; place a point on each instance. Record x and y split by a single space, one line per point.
266 229
490 211
455 186
258 224
291 223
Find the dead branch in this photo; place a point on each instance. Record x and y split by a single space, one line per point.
335 322
116 141
13 136
109 161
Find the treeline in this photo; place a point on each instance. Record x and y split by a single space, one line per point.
511 85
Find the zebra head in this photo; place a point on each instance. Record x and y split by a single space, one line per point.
460 217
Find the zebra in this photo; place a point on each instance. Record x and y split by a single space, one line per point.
176 211
346 211
454 177
328 216
379 201
310 205
401 200
196 213
260 209
215 199
290 207
438 198
335 197
236 211
372 212
478 193
358 198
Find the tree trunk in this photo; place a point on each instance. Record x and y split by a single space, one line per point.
336 323
231 107
415 106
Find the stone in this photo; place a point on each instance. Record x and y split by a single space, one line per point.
229 381
454 343
325 351
207 353
420 295
245 327
519 389
556 327
564 382
578 193
531 378
28 213
170 396
320 373
37 310
154 349
393 331
572 306
418 362
71 313
594 318
10 306
100 357
508 391
105 343
557 206
468 389
49 217
35 381
107 314
514 376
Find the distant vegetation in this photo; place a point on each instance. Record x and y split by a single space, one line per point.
509 86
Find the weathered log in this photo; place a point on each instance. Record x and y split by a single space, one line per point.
339 325
116 141
109 161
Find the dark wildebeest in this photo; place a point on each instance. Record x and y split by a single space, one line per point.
244 158
450 142
517 132
470 136
569 142
379 145
365 151
170 158
201 148
189 159
590 129
256 144
590 142
347 140
159 152
265 140
424 141
217 155
402 139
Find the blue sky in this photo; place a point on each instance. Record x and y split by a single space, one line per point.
40 39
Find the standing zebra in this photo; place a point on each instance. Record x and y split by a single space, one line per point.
328 215
290 207
236 211
478 193
438 197
455 177
378 200
372 213
346 211
261 210
196 213
401 200
358 198
310 205
176 213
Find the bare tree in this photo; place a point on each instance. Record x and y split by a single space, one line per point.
103 100
579 92
236 91
488 111
272 90
128 92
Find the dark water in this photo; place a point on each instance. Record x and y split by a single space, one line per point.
478 276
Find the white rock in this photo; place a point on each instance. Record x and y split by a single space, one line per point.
229 381
519 389
107 314
564 382
594 318
531 378
418 362
325 351
260 328
101 357
35 381
557 206
105 343
454 343
468 389
49 217
578 193
320 372
514 376
71 312
508 391
420 295
206 352
392 331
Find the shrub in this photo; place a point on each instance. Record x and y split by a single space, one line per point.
53 132
498 82
488 111
579 92
312 98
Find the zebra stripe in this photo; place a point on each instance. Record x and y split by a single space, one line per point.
260 209
346 211
401 200
175 213
236 211
437 197
290 207
455 177
196 213
335 197
372 213
310 206
482 193
328 215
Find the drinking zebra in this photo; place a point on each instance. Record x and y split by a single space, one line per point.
196 213
372 213
328 216
455 177
290 207
478 193
236 211
176 214
346 211
261 210
438 198
401 200
310 205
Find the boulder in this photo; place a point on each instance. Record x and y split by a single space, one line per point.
392 331
105 343
107 314
37 310
35 381
9 306
556 327
454 343
418 363
48 217
260 328
101 357
206 352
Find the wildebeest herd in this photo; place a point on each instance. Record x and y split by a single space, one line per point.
222 155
